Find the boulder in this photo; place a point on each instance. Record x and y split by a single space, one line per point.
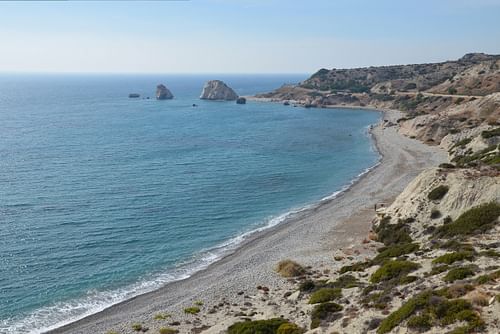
134 95
241 100
162 93
218 90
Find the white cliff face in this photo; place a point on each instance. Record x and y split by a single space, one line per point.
163 93
218 90
467 188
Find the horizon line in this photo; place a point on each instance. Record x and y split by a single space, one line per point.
151 73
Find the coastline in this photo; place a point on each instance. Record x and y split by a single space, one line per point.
309 237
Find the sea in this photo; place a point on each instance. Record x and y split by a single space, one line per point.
104 197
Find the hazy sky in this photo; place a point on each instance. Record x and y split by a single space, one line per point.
260 36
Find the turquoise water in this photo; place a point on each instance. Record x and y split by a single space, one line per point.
104 197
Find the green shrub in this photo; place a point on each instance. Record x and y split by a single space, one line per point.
438 193
307 286
390 234
359 266
137 327
458 274
345 282
490 253
289 268
435 214
378 300
289 328
323 312
454 257
462 143
476 220
447 165
420 322
257 326
455 245
393 270
406 310
166 330
490 133
192 310
433 307
161 316
483 279
325 295
395 251
438 270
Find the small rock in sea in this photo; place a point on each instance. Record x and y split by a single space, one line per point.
241 100
286 103
195 105
162 93
134 95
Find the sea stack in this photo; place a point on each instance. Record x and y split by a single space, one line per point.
218 90
162 93
241 100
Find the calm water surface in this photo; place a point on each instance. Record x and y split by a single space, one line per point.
103 197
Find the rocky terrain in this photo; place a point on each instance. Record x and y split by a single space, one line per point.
163 93
218 90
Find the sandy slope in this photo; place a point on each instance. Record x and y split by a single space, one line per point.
310 239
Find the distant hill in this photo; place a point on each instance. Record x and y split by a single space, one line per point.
473 74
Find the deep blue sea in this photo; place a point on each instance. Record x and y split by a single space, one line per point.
103 197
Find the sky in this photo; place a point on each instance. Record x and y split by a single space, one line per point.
245 36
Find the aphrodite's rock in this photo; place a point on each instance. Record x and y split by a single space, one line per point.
241 100
218 90
162 93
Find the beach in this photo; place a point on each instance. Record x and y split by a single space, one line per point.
313 238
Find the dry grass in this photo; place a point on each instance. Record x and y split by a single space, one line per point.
479 298
289 268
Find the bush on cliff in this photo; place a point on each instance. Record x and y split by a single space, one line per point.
393 270
477 220
269 326
325 295
323 312
438 193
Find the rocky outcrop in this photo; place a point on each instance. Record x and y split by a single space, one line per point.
163 93
134 95
241 100
218 90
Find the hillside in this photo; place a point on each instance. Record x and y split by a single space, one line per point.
438 98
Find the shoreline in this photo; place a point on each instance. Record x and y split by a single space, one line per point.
252 262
